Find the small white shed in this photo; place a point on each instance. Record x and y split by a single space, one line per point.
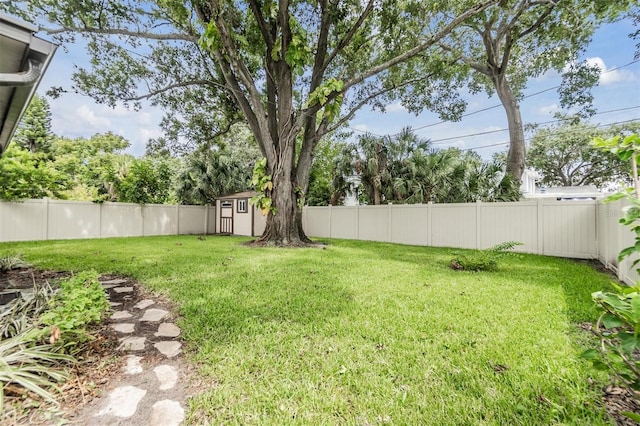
234 215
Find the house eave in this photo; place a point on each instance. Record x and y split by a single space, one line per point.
24 58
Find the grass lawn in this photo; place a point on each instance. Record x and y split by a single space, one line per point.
363 333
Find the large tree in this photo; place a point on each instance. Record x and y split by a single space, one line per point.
506 46
564 155
34 132
289 68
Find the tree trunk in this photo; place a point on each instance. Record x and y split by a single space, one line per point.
284 225
516 155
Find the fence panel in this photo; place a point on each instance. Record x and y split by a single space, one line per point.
344 223
159 220
316 221
502 222
453 225
121 220
77 220
191 219
410 224
25 221
569 229
373 222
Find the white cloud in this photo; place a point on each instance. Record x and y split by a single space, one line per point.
90 118
395 107
549 109
608 76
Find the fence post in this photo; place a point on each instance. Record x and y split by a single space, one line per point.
540 222
45 200
429 221
330 220
177 219
478 236
357 221
389 222
206 220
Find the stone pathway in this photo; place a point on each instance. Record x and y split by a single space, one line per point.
151 389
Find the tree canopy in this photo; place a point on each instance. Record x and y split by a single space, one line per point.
503 47
564 155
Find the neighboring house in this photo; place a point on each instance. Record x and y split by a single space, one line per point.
530 189
23 60
235 216
567 193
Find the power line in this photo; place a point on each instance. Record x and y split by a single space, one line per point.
438 141
530 138
493 106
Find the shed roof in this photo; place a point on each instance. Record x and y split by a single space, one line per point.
244 194
23 61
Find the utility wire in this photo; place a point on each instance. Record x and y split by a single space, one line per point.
491 107
439 141
530 138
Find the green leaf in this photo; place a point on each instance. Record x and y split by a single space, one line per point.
590 354
633 416
611 321
628 341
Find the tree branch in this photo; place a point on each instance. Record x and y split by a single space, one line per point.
175 85
421 47
122 31
352 31
262 24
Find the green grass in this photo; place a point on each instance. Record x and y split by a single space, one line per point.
363 333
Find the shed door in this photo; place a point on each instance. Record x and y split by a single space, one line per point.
226 217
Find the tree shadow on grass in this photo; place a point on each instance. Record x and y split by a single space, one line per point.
251 303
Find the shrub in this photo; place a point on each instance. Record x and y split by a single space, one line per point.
482 260
81 301
21 314
10 262
32 367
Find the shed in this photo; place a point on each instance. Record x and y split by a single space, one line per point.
235 216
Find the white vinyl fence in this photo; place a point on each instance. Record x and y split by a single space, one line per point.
574 229
55 219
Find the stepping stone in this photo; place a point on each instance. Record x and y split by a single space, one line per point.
123 289
133 365
121 315
123 401
169 348
132 344
167 329
108 286
167 376
154 315
27 294
123 327
113 304
116 281
144 304
166 413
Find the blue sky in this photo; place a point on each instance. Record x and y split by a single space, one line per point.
75 115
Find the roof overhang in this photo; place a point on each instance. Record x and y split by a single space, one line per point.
23 60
